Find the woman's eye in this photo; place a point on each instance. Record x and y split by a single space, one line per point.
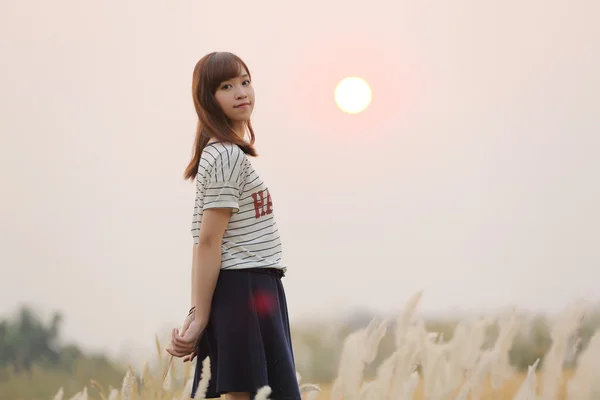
225 86
246 82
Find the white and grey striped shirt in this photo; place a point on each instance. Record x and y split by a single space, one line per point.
226 179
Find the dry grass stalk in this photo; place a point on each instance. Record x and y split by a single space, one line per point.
59 395
527 391
585 382
563 330
360 349
99 388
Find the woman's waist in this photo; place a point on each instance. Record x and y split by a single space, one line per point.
277 271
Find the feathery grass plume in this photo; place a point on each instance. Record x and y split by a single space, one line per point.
501 370
375 332
385 374
474 342
434 362
204 379
437 366
434 337
306 387
408 355
474 383
410 386
407 338
461 348
585 382
187 391
368 391
452 371
312 396
83 395
347 371
463 353
527 391
59 395
565 327
127 387
99 388
431 358
405 319
309 387
359 349
263 393
149 383
114 394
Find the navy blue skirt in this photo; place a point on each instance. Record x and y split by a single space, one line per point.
248 337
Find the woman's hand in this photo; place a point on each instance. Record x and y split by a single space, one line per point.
185 344
191 316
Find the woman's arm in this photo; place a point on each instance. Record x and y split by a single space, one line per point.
193 281
207 260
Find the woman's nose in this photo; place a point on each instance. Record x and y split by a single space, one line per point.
241 94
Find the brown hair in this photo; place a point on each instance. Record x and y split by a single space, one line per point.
212 70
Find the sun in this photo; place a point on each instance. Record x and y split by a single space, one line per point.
353 95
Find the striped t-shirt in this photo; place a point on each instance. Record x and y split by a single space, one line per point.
226 179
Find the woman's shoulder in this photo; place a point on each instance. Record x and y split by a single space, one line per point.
223 155
221 149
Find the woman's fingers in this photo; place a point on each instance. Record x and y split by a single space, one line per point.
183 346
181 349
183 341
178 353
190 357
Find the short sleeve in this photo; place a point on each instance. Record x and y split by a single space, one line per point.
225 180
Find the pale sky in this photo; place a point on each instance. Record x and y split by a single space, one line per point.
473 175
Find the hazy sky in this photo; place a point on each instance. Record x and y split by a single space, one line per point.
473 175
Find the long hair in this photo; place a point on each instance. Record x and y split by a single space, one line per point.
212 70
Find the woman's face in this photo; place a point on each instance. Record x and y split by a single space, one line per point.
236 97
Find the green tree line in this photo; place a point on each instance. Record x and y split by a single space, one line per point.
34 363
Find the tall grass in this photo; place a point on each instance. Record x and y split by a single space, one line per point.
421 365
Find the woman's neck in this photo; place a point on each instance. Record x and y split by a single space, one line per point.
239 127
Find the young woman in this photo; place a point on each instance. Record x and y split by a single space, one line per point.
239 312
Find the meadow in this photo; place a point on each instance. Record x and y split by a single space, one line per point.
422 364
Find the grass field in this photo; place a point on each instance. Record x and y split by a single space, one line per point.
508 390
422 365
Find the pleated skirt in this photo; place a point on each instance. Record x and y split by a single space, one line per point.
248 337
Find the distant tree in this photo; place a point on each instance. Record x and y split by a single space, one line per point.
26 340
